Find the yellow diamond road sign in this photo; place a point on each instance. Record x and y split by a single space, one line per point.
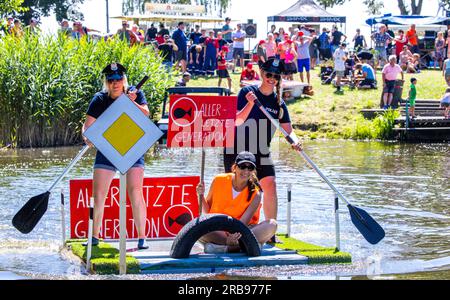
123 133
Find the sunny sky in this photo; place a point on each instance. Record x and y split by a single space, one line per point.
241 10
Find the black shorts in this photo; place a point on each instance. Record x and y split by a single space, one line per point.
390 87
264 165
223 73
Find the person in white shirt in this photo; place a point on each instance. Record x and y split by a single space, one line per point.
238 46
339 56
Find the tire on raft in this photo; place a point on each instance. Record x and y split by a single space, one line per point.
195 229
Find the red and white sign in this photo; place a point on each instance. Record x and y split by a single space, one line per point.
201 121
171 203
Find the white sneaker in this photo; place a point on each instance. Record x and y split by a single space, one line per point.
214 248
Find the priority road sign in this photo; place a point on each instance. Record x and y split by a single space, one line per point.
123 133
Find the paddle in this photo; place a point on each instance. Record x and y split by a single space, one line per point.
30 214
366 225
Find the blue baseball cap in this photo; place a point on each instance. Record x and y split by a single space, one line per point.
114 71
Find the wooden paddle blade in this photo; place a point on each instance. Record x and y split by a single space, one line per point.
30 214
367 226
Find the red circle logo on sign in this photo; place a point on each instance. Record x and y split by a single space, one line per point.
184 112
176 217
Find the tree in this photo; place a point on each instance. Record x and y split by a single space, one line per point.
63 9
414 7
10 6
134 6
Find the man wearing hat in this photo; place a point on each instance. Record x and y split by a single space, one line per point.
115 85
254 132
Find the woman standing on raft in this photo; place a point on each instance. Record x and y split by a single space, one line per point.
116 84
254 131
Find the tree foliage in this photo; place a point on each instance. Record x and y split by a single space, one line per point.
10 6
212 6
63 9
411 7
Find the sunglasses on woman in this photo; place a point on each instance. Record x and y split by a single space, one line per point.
274 76
249 167
114 80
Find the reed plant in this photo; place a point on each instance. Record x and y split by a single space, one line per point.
47 82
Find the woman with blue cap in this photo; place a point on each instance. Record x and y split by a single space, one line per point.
115 84
254 132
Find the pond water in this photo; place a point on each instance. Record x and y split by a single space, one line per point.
405 187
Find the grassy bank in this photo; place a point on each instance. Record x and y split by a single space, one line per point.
316 254
327 115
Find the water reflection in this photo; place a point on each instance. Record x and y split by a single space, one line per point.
403 186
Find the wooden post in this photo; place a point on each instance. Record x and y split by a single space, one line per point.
123 224
202 178
63 220
337 225
90 233
288 219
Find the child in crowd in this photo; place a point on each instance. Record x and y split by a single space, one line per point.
222 70
184 79
249 74
446 71
445 103
412 97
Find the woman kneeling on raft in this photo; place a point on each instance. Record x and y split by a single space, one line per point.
236 194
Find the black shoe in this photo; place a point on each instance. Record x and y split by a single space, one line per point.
95 242
274 240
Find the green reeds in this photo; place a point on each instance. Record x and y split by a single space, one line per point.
47 83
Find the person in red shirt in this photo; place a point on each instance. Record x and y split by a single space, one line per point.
249 74
413 40
222 71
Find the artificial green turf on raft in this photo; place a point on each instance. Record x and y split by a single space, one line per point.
316 254
104 258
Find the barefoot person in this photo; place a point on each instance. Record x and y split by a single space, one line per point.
115 84
236 194
254 131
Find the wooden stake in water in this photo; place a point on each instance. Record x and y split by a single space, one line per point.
63 220
90 233
202 178
288 219
122 225
336 220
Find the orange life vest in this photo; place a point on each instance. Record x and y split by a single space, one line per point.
222 199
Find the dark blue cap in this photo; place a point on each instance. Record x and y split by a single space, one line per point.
273 65
246 157
114 71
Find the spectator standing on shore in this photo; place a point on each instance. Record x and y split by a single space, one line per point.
400 42
439 46
261 52
211 48
412 97
32 27
271 46
336 38
220 41
162 30
389 75
446 71
359 41
126 34
196 59
314 49
389 45
17 30
227 31
303 56
339 56
381 39
65 28
180 40
238 47
166 51
138 33
222 71
413 39
194 37
273 29
290 60
324 47
150 35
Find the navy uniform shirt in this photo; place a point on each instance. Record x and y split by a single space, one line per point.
101 101
256 136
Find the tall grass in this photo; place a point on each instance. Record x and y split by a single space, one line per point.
379 128
46 84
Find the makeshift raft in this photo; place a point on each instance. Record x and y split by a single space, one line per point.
156 260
